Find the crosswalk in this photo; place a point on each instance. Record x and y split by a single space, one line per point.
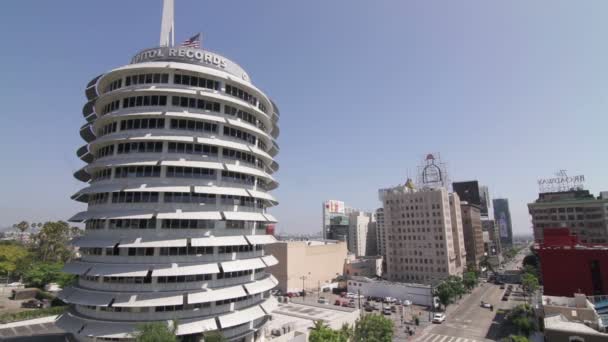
443 338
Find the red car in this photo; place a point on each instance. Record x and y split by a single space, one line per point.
343 294
338 302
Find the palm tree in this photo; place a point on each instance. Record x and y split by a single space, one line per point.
21 227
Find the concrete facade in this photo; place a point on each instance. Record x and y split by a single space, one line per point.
319 262
458 238
585 215
380 233
361 234
473 234
364 267
420 244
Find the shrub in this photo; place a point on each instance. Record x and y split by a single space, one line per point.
31 314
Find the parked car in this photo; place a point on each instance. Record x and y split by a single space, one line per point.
338 302
343 294
502 286
386 310
323 300
393 308
32 304
407 302
505 298
350 295
438 318
352 304
346 305
375 306
389 299
485 305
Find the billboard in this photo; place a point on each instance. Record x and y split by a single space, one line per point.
502 215
468 191
334 207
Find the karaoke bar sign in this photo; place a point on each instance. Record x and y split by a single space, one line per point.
187 54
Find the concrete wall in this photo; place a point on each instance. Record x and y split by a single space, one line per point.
319 263
418 294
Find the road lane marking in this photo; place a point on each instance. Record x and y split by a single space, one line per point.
443 338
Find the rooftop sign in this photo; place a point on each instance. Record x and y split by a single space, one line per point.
561 182
190 56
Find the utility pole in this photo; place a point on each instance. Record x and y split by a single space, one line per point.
359 298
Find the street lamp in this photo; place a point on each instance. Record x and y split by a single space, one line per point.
304 277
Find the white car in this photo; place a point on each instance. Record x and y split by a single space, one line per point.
407 302
390 300
351 295
323 300
438 318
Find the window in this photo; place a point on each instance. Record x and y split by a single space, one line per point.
147 100
192 148
140 147
223 275
141 124
188 224
101 174
141 251
237 200
236 133
107 129
241 114
187 197
240 93
190 172
116 84
185 279
164 251
110 107
234 154
100 198
135 197
194 81
191 125
105 151
133 224
137 171
235 249
190 102
237 177
146 79
95 224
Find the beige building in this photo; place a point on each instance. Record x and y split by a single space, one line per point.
311 264
458 238
370 266
361 233
419 234
473 234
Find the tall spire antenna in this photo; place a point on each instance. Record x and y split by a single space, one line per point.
167 26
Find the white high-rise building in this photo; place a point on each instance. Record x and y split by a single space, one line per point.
361 233
380 232
180 148
420 242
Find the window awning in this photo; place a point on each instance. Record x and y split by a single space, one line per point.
142 243
270 260
244 216
240 317
191 215
123 270
262 285
109 329
176 270
260 239
192 163
248 170
218 190
117 215
156 188
76 268
262 195
214 295
270 218
149 299
84 297
243 264
195 326
237 240
270 305
196 116
86 242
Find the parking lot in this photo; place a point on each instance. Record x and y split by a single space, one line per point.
402 316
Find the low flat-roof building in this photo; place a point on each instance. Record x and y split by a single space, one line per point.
419 294
363 266
307 264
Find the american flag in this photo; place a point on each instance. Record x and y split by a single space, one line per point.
193 42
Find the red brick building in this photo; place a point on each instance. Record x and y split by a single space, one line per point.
568 266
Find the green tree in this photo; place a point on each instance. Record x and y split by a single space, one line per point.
516 338
322 333
522 317
347 331
445 293
156 332
51 243
14 258
529 283
214 336
21 227
469 280
39 274
373 328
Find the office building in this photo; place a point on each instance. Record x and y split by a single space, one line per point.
502 217
335 220
485 202
584 214
473 234
420 243
370 266
180 148
458 237
311 265
361 234
380 232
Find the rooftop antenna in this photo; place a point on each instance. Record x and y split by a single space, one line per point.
167 26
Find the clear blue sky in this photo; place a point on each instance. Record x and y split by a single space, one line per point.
507 91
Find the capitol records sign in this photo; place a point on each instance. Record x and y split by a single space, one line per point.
561 182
